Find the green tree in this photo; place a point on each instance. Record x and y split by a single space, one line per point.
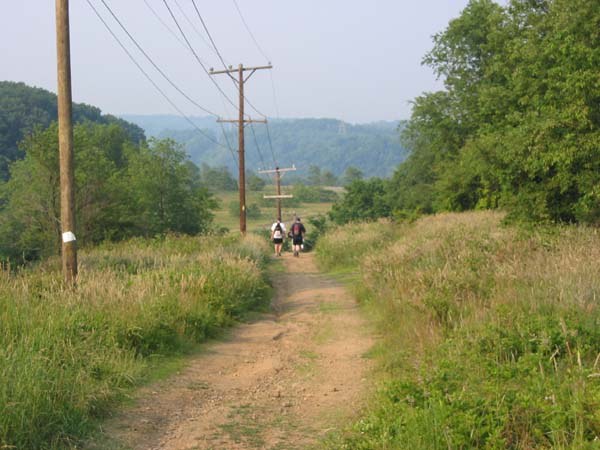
351 174
363 200
314 176
30 216
217 178
518 125
328 179
254 182
121 190
166 194
313 194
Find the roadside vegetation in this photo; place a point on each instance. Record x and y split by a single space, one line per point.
67 356
516 127
490 334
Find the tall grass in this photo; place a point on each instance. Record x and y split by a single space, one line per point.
491 336
67 355
344 246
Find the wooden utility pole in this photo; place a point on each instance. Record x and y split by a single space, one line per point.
241 124
65 143
279 196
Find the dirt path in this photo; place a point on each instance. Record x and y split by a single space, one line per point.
281 382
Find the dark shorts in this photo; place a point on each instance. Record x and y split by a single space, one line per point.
277 240
297 240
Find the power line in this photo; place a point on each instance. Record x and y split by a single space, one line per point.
272 83
214 47
162 73
194 28
149 78
164 24
153 63
171 31
274 96
210 38
188 49
271 145
227 141
254 108
250 32
262 160
197 57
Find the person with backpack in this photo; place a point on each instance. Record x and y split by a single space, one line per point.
277 234
297 234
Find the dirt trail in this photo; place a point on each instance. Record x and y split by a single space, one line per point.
281 382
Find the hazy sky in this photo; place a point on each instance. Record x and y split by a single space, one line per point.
354 60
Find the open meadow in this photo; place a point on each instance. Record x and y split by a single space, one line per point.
227 214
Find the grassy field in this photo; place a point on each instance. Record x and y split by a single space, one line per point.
66 356
490 333
268 210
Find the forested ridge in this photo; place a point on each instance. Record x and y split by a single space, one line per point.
330 144
517 126
24 108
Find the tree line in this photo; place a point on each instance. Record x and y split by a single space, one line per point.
329 144
123 189
517 126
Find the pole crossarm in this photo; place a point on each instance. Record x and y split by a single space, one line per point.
245 121
278 174
288 169
236 69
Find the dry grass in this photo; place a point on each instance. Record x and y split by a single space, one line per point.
491 334
66 355
345 246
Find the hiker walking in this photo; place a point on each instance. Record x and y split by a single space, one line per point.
297 234
277 234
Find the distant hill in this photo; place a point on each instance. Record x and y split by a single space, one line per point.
22 108
154 125
327 143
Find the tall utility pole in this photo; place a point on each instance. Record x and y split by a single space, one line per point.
241 124
279 196
65 143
